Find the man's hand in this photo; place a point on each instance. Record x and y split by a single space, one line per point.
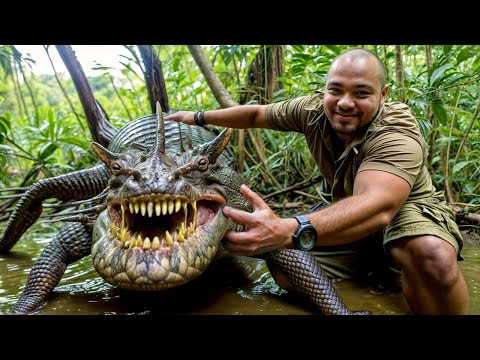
264 231
185 117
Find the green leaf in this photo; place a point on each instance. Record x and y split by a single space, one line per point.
301 57
435 160
447 49
334 48
438 73
6 148
465 54
47 150
4 127
84 144
439 111
298 48
476 63
460 166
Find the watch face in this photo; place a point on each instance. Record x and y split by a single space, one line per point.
307 239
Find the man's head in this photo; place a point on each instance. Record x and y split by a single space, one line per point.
354 92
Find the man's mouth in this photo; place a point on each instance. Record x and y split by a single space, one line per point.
346 114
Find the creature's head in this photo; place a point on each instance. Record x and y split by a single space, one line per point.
163 223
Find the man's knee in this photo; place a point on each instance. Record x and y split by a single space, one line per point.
427 256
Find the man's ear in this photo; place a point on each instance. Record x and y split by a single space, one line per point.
385 93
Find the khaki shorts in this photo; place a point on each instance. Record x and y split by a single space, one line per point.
366 257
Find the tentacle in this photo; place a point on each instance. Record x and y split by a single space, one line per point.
72 243
309 279
77 185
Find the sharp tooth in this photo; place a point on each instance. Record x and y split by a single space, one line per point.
156 243
178 205
194 205
146 243
137 207
125 235
164 207
181 233
184 205
139 242
150 209
171 206
131 208
143 208
168 238
126 244
158 208
124 224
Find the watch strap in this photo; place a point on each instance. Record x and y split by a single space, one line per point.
302 219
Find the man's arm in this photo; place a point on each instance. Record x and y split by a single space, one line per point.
239 117
376 198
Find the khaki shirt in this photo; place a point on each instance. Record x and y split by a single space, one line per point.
392 142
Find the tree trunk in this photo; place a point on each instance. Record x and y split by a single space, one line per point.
399 71
428 57
17 56
154 78
100 128
221 94
264 69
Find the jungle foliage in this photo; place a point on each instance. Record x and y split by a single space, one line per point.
43 131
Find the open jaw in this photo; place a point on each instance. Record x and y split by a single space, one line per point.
158 241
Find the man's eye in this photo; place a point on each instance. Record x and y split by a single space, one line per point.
363 93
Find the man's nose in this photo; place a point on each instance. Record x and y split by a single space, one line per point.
346 102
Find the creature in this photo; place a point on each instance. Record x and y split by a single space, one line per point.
153 218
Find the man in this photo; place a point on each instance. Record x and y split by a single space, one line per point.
373 158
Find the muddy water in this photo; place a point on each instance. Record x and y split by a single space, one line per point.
226 289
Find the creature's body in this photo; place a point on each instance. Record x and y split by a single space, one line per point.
161 188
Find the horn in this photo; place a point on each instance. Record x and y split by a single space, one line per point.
215 147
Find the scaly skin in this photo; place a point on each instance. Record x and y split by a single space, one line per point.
163 222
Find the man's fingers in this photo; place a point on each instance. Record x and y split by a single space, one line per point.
234 237
238 216
235 243
253 198
185 117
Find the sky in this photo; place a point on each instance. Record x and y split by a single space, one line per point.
87 55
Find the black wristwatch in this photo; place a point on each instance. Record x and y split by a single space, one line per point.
305 236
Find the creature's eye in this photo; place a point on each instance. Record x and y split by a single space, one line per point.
115 166
202 163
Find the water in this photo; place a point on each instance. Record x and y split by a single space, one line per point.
221 291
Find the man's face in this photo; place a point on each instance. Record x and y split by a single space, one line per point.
353 94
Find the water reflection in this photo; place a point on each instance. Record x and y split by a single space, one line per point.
226 289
